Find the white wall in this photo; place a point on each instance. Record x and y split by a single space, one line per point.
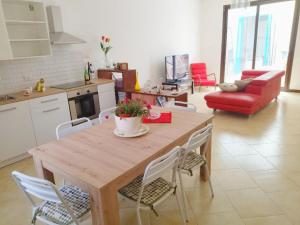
143 32
211 33
295 79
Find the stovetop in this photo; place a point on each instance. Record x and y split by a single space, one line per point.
70 85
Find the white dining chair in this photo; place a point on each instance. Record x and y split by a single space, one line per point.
68 205
186 106
106 114
72 126
150 189
190 159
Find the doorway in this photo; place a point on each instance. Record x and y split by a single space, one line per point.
260 37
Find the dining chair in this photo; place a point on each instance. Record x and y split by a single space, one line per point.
73 126
181 106
150 189
106 114
67 205
190 159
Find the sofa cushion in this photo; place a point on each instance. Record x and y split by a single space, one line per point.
237 98
226 87
242 84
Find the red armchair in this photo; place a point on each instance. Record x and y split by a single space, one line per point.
200 76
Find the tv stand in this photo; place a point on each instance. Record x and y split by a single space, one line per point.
178 83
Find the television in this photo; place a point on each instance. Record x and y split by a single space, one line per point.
177 67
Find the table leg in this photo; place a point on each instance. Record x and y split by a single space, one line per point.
43 172
105 206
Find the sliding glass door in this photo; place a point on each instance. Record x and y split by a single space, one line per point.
240 42
257 37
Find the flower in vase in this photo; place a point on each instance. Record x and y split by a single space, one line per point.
131 108
105 44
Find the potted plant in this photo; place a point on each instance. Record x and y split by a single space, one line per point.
128 115
105 47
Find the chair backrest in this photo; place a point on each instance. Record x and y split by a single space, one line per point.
181 106
157 167
72 126
198 139
106 114
36 187
199 69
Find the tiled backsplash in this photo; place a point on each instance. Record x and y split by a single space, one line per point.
65 65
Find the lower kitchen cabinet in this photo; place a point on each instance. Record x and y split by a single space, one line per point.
48 112
16 131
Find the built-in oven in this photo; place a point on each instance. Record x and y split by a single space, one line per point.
84 102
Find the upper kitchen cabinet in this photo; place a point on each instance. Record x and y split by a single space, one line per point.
24 29
5 52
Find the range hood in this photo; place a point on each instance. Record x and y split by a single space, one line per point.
57 34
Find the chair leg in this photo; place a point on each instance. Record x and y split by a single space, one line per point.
138 214
210 184
183 196
149 217
181 210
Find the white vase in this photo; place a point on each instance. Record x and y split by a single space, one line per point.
128 125
107 61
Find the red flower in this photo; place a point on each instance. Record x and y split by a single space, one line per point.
103 38
126 100
107 117
149 106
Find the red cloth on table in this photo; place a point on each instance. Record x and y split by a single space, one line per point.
165 117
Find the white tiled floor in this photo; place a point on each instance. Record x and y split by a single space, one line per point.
256 174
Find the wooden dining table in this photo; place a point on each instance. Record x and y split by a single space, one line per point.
100 163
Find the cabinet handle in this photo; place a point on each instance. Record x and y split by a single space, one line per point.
10 109
51 110
49 100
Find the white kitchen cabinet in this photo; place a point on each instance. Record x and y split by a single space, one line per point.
48 112
23 30
107 98
16 131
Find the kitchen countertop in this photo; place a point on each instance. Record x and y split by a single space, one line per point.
19 96
93 83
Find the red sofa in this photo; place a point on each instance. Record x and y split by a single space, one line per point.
264 87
